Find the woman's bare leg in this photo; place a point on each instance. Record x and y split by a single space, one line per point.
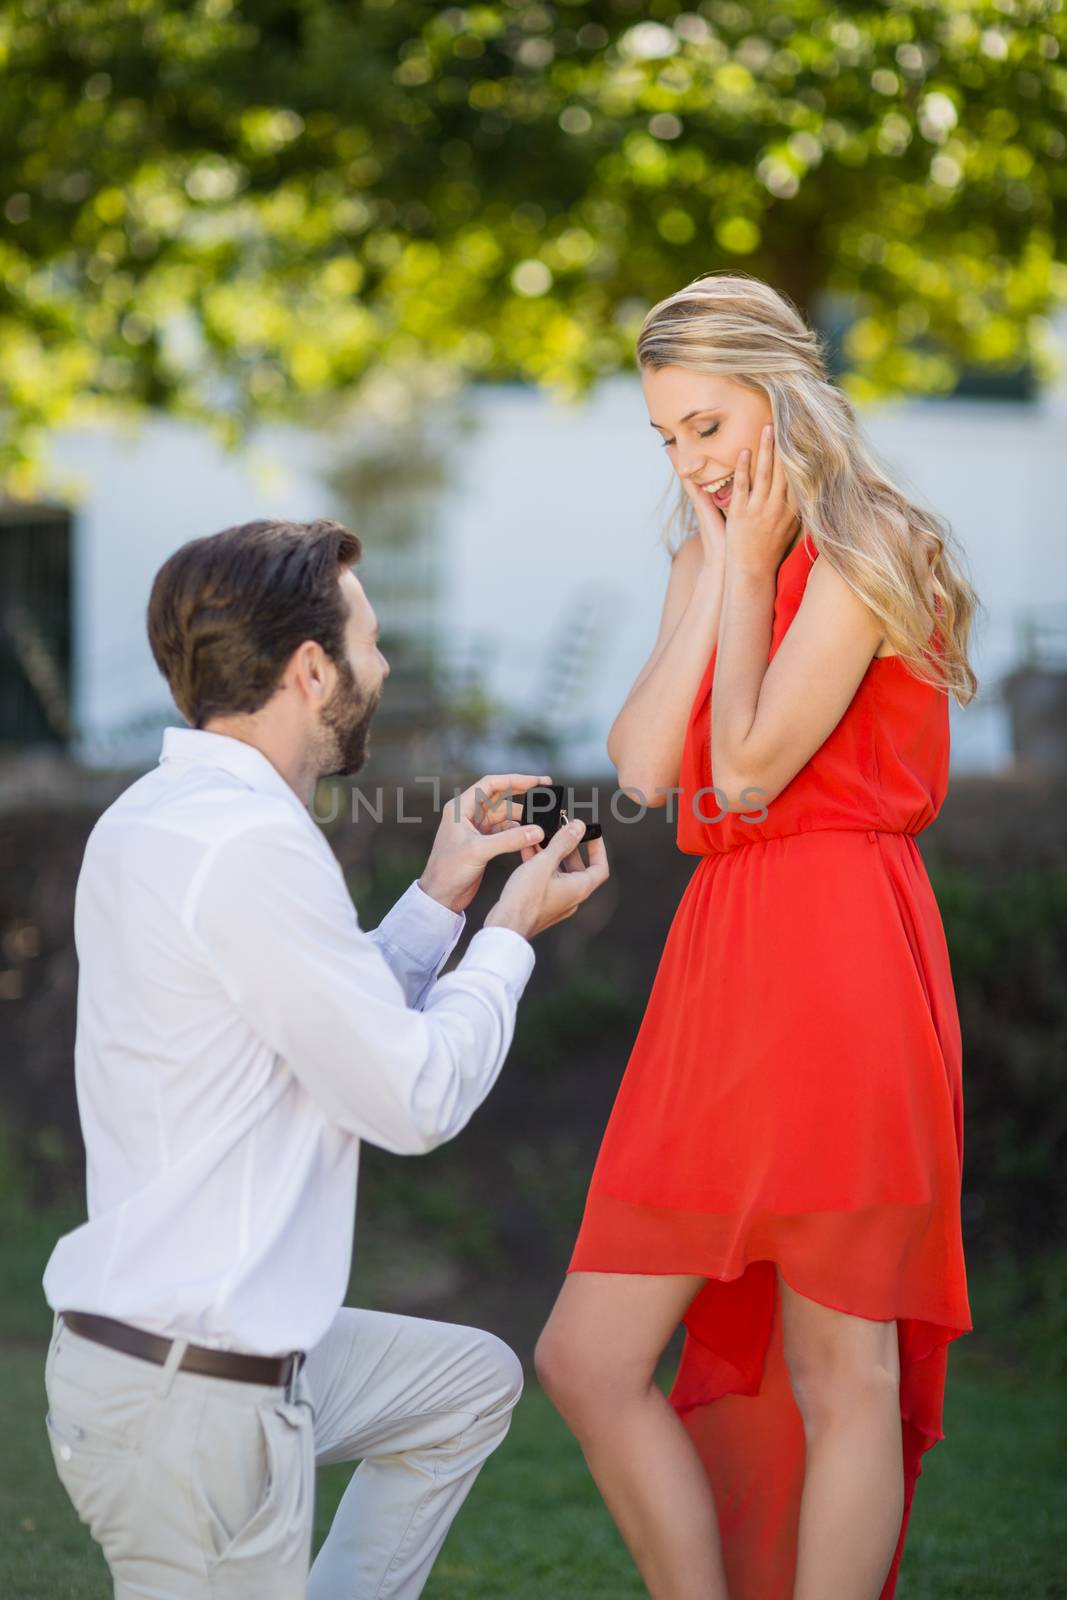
845 1375
596 1360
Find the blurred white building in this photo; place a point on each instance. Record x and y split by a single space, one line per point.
538 569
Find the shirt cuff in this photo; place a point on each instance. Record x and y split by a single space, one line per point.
505 952
424 929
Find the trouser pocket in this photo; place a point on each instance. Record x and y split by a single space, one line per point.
200 1488
97 1464
252 1480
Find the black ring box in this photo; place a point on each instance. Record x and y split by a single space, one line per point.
551 817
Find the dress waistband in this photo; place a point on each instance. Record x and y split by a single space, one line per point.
802 833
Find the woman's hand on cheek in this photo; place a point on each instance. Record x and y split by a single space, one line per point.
760 522
711 523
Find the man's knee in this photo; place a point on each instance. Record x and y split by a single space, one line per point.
489 1396
501 1376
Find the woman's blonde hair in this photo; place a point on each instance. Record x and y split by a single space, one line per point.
882 543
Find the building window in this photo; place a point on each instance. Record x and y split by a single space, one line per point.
35 625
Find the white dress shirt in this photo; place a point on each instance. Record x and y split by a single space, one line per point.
238 1034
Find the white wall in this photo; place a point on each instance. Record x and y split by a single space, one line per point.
548 500
137 495
552 498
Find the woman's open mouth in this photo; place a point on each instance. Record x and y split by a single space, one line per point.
721 493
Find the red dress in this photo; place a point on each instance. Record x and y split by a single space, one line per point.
794 1096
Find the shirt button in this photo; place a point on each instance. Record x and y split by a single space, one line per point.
65 1452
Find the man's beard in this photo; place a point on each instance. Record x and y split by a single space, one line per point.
345 726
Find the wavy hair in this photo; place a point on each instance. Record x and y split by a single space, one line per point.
882 543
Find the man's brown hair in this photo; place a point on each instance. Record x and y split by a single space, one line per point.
227 611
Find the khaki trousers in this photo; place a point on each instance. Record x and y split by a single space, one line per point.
201 1488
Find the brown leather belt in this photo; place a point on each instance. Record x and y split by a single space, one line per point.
280 1370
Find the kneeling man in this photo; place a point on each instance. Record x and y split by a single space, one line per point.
238 1035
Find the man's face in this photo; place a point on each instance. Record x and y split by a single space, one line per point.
346 717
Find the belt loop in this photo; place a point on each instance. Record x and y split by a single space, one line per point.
174 1360
872 835
296 1361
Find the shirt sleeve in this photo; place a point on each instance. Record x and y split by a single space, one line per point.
416 938
272 916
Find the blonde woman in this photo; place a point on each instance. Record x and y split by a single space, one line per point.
781 1169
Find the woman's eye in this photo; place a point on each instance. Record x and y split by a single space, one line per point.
665 444
706 433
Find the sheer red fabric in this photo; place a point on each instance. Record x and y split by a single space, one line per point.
794 1098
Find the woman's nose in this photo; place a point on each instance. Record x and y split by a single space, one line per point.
690 462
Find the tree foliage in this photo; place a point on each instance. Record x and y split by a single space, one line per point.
233 208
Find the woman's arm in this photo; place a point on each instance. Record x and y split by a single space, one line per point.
768 719
646 739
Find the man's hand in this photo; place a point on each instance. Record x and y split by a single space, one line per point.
475 826
551 883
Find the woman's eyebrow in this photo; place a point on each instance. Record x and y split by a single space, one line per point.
701 411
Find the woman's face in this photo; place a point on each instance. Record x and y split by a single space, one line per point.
704 422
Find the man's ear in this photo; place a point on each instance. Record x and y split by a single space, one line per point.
310 662
317 671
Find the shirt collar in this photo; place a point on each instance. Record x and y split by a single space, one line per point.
202 747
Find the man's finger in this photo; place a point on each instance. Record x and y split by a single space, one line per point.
598 867
496 784
564 840
503 815
508 839
596 872
507 822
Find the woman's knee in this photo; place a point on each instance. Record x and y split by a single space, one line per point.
568 1369
831 1387
584 1383
601 1346
557 1365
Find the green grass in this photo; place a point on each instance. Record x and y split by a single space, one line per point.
989 1511
987 1523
